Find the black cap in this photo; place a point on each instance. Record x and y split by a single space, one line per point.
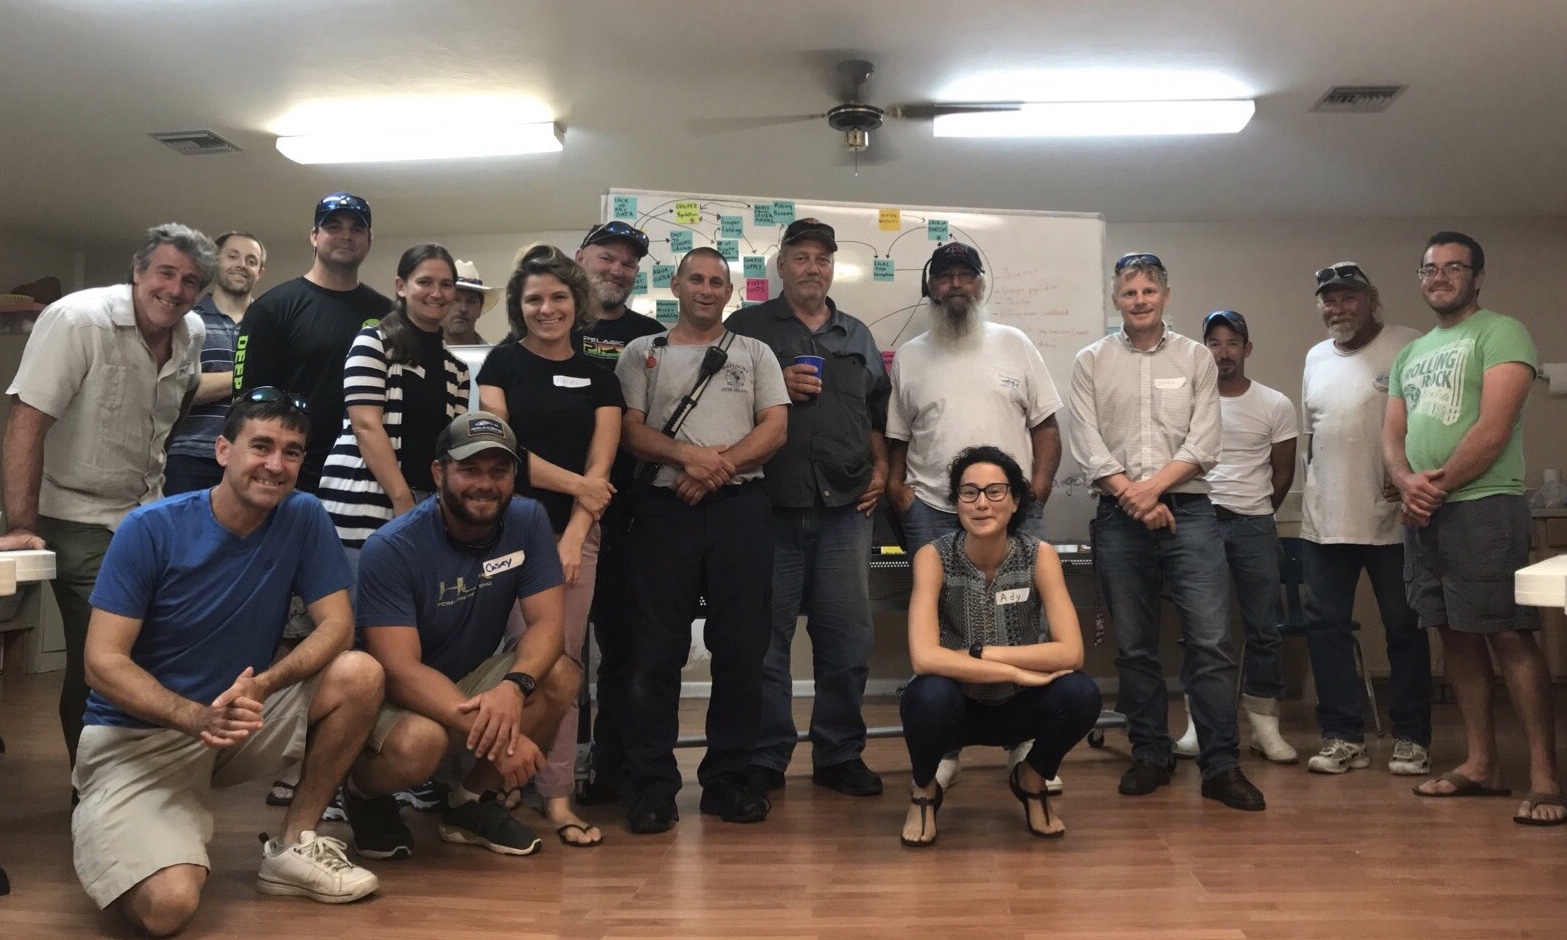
342 202
801 229
475 433
617 230
1228 318
1344 274
951 255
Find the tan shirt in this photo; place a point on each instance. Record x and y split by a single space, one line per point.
88 367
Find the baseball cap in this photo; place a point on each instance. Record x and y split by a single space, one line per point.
342 202
623 231
951 255
1344 274
1229 318
474 433
801 229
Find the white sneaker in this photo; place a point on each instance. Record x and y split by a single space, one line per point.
315 867
1018 754
1263 716
948 772
1337 756
1409 759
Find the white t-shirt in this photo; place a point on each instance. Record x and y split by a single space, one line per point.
1343 398
944 400
1253 422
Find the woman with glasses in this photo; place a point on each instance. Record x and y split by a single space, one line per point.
401 386
565 410
983 598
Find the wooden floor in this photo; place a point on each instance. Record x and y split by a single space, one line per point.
1332 857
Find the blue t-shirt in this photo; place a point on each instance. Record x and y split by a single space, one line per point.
458 596
211 603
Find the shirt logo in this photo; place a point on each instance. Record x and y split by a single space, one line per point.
1433 384
496 565
458 591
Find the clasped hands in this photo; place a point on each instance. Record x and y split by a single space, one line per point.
1419 494
1140 500
496 734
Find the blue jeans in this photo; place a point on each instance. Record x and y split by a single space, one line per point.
924 523
1133 565
1332 573
1251 545
821 568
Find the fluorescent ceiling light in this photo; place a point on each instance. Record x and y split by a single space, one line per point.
1101 119
442 143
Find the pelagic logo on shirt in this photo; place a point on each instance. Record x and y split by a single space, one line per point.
504 563
1433 383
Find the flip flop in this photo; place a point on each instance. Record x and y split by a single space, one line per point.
561 832
1534 798
281 794
929 807
1025 797
1462 787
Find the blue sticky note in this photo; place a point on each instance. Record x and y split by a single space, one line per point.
882 269
729 248
783 211
679 240
626 208
936 230
762 214
666 311
755 266
731 226
663 275
639 286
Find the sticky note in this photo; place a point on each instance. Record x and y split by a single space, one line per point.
755 266
729 248
663 275
936 230
783 211
762 214
679 241
756 288
626 208
882 269
688 212
639 286
731 226
889 220
666 311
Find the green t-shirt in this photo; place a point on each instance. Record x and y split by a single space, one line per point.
1438 376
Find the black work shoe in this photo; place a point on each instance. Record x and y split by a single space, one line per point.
652 813
764 779
1144 777
1233 790
851 778
734 801
599 790
377 822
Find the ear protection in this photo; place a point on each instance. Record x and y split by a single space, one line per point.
925 280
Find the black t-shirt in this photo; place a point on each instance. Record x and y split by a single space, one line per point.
551 406
603 341
296 336
424 411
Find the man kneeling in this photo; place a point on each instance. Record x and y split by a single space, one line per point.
436 586
188 609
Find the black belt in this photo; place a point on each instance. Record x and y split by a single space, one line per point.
1173 500
1225 515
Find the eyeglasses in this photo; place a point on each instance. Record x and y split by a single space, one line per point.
1452 269
995 492
1139 259
1350 272
266 394
615 229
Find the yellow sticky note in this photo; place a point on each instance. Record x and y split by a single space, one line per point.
688 213
890 219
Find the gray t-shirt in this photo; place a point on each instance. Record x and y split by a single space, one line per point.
654 379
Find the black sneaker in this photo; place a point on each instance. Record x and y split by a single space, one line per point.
334 810
1144 777
427 796
652 813
487 822
734 801
851 778
1233 790
764 779
377 823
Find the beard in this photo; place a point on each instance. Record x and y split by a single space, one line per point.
461 512
956 322
1344 330
609 294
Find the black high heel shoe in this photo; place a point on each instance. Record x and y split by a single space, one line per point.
929 807
1025 797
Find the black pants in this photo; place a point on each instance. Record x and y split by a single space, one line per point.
612 632
720 549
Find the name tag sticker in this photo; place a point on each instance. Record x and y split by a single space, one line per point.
1014 596
572 381
504 563
1167 384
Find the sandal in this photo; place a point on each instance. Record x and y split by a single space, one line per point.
562 829
281 794
1526 817
1025 797
930 805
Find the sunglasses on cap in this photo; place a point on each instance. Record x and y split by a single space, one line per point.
616 229
267 394
1140 258
1340 272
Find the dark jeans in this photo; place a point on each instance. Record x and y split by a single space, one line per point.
185 473
1331 574
821 568
612 631
1251 545
717 549
78 553
938 718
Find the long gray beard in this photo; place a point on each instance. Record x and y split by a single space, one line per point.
1344 332
953 330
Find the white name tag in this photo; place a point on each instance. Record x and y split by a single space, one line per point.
572 381
496 565
1168 384
1014 596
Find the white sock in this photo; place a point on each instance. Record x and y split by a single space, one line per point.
460 796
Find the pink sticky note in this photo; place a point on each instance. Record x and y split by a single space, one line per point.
886 358
756 288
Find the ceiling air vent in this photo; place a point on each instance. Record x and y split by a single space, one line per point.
1358 99
191 143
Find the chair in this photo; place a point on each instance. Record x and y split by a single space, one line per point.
1291 577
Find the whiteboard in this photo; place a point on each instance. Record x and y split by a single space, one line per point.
1044 274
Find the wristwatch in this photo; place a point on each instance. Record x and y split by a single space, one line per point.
522 681
977 651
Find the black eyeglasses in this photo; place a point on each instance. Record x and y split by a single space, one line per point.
615 229
266 395
995 492
1350 272
1140 259
1452 269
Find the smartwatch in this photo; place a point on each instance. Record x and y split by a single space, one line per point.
522 681
977 651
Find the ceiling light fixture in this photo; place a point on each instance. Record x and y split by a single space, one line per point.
444 143
1101 119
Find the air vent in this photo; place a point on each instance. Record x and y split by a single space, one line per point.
191 143
1358 99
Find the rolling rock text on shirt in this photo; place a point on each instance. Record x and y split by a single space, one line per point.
1434 383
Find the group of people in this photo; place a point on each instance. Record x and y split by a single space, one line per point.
354 573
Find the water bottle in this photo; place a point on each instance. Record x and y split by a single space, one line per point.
1551 493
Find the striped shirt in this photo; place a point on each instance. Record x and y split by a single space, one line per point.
199 429
349 490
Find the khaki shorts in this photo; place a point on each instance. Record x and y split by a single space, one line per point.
486 676
145 791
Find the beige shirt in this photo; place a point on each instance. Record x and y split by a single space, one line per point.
88 367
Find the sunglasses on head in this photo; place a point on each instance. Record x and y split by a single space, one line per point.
1138 258
1337 271
615 229
267 394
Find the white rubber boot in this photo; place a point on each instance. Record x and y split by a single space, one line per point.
1186 745
1263 716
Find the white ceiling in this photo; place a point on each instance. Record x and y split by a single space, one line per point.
638 84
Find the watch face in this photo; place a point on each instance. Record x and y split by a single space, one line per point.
523 681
